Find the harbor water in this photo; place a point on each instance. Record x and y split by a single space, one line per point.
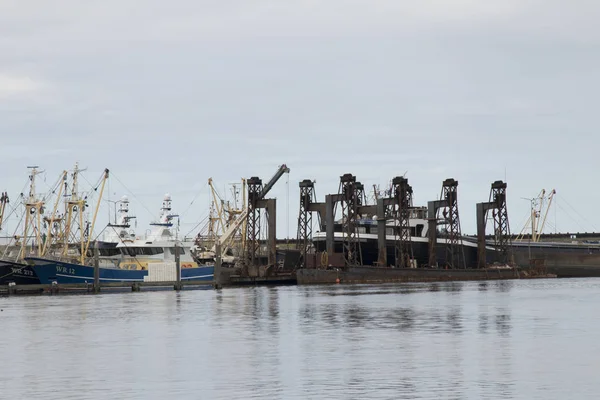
527 339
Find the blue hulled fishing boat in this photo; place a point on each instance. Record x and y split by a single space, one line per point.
131 258
63 272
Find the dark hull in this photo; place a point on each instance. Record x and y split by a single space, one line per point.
385 275
369 253
564 263
564 260
19 274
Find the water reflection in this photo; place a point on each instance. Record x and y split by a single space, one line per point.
415 341
398 319
503 286
483 323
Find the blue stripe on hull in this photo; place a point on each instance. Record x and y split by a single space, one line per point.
62 272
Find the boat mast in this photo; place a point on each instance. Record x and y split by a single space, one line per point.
535 217
34 208
75 204
218 224
535 222
215 213
87 245
124 213
541 229
51 234
3 202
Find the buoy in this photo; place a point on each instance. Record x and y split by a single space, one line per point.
337 280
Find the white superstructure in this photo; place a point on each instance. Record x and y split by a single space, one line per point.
160 245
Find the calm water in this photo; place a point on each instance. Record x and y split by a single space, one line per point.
504 340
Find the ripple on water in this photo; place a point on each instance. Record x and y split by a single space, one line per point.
530 339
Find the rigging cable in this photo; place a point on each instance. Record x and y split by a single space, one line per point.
570 216
197 225
14 233
580 216
195 198
132 194
287 231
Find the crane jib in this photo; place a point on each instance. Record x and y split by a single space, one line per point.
282 170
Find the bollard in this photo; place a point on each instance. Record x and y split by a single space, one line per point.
12 288
217 268
178 285
96 268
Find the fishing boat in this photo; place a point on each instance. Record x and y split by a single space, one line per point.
12 268
137 256
12 272
50 271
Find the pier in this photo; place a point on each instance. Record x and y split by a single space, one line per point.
90 288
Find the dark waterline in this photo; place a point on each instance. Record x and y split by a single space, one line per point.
533 339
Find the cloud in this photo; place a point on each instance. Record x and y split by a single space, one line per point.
14 85
115 24
168 94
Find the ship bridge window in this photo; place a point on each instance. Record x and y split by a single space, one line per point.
419 230
109 252
181 250
104 252
141 251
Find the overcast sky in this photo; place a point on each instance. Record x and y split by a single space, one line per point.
168 94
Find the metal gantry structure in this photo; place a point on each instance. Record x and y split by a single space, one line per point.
305 220
257 202
395 208
393 212
448 205
254 186
454 250
351 196
501 227
502 241
308 206
402 193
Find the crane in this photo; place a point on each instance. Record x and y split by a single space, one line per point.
238 218
257 201
283 169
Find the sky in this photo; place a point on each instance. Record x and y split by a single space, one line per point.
168 94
